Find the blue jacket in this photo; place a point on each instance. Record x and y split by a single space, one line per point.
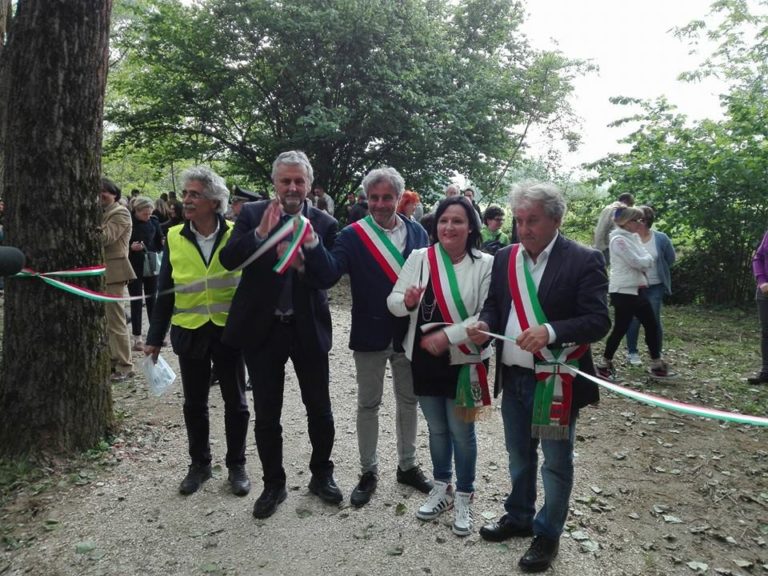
666 257
373 326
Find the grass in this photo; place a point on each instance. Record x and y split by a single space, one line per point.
713 351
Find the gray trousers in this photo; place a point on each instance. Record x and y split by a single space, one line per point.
371 367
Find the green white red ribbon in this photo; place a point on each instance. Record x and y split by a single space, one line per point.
294 247
51 278
283 232
84 272
659 401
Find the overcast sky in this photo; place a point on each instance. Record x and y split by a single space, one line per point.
631 42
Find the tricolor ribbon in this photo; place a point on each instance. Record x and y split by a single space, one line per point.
282 265
84 272
283 232
657 401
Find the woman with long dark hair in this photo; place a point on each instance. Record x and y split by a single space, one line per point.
443 288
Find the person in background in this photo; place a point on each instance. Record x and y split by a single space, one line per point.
359 209
175 216
659 277
428 223
605 224
548 296
469 193
161 211
627 287
197 315
146 242
239 197
447 283
408 203
452 190
492 238
319 194
760 270
115 233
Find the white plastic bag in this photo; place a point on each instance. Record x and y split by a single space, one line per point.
159 375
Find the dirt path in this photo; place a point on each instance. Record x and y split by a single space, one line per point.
655 494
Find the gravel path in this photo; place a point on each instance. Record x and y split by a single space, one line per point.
654 492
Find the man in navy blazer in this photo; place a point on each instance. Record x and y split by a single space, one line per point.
571 285
275 317
372 251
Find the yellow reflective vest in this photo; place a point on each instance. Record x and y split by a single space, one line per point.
203 293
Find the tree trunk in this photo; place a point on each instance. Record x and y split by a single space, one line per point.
54 377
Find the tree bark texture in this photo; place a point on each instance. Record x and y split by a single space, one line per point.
55 394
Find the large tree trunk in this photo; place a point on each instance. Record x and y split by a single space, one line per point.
54 387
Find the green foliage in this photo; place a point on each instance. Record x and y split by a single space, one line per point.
707 180
429 87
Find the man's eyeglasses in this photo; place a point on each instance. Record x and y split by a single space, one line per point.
194 194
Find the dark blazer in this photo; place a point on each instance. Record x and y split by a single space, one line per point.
252 312
573 294
373 326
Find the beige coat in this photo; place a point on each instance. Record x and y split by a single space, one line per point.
115 231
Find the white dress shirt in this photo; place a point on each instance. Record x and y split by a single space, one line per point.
512 354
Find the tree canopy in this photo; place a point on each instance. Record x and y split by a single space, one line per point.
707 179
429 87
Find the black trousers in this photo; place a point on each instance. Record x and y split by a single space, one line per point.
149 286
625 308
266 367
195 374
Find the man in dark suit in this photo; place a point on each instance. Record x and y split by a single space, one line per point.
275 317
571 289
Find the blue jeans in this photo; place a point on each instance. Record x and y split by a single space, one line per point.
655 295
556 472
450 438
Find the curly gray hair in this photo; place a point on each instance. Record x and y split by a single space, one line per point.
294 158
386 174
549 195
214 187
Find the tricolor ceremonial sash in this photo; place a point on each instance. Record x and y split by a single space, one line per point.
381 248
472 391
554 383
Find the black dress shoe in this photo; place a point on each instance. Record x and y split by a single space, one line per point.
196 475
504 530
415 478
758 379
267 503
238 480
539 555
364 489
325 488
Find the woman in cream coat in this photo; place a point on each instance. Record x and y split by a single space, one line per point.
447 283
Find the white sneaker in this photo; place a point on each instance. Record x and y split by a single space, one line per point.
462 514
634 359
439 500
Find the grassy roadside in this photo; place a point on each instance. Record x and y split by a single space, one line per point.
713 351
